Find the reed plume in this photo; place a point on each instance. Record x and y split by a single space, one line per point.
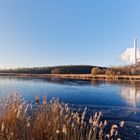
51 120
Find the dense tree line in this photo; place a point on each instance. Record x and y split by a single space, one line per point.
124 70
72 69
76 69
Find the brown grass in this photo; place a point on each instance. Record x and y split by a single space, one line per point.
50 121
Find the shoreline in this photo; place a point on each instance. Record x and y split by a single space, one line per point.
78 76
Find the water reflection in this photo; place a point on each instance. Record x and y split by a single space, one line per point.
100 93
129 90
131 94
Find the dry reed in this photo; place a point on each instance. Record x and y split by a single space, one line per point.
50 121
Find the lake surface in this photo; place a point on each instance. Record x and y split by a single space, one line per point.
117 100
76 92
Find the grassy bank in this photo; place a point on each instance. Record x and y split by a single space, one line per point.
78 76
52 120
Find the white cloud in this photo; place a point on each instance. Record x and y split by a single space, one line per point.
128 56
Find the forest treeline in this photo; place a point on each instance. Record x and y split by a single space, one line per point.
76 69
71 69
120 70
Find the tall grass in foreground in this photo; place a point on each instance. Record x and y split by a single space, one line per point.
50 121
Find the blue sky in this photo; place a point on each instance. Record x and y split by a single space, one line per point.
66 32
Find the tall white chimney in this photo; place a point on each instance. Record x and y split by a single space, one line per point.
135 51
